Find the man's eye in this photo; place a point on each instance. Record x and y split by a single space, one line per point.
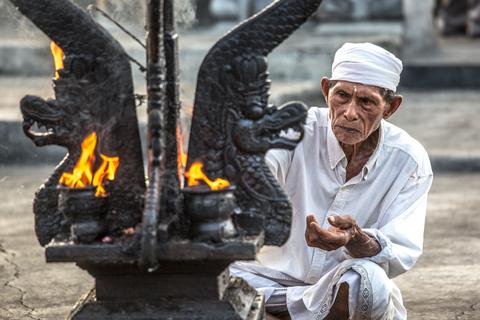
365 102
342 94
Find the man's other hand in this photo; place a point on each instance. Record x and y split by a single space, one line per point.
336 236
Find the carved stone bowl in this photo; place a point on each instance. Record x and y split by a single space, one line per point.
84 211
210 212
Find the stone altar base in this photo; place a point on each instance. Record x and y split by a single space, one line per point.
191 281
189 291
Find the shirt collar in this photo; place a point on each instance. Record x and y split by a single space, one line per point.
335 151
336 154
373 161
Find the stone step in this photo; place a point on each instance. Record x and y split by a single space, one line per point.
455 63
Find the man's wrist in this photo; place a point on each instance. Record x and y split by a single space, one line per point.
361 245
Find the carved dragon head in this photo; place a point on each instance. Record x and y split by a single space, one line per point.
257 127
280 129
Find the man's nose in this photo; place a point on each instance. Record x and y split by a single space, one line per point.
351 111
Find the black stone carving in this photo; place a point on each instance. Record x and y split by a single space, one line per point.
167 254
210 213
233 126
85 213
93 93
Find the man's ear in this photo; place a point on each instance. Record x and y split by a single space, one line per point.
325 84
393 106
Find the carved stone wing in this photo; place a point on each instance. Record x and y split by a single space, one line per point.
233 126
94 92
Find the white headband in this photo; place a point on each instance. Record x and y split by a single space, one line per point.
368 64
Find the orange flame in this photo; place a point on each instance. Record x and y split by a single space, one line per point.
195 175
57 58
181 156
82 174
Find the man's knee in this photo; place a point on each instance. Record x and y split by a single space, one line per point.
369 272
371 286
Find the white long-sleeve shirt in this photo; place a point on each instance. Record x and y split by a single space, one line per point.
387 198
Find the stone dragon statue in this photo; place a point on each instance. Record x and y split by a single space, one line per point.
233 126
94 93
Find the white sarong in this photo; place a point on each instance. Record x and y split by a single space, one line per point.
372 295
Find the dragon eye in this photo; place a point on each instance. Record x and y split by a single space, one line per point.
255 112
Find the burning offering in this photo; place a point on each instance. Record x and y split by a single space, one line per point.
209 205
195 176
83 175
82 195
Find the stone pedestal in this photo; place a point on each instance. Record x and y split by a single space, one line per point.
174 292
191 282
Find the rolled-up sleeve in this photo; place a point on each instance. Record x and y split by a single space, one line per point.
278 161
400 231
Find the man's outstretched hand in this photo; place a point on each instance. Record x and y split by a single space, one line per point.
338 235
344 231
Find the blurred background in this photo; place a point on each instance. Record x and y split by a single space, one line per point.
439 43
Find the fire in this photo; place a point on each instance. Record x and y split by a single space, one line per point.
57 58
83 176
195 175
181 156
106 170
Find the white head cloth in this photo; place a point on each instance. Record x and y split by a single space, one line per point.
368 64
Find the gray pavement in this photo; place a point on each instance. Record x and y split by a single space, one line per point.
31 289
445 283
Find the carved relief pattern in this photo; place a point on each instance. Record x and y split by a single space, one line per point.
94 93
233 126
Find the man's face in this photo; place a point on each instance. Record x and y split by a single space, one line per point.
356 110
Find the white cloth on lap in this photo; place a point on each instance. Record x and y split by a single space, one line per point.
371 294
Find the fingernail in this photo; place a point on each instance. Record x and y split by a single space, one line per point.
331 218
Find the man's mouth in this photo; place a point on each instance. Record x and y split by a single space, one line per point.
348 129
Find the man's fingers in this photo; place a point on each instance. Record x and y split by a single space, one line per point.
310 219
341 222
331 236
336 237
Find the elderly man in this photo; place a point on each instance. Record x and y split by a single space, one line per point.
358 186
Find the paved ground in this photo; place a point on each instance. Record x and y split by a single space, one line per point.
31 288
443 285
